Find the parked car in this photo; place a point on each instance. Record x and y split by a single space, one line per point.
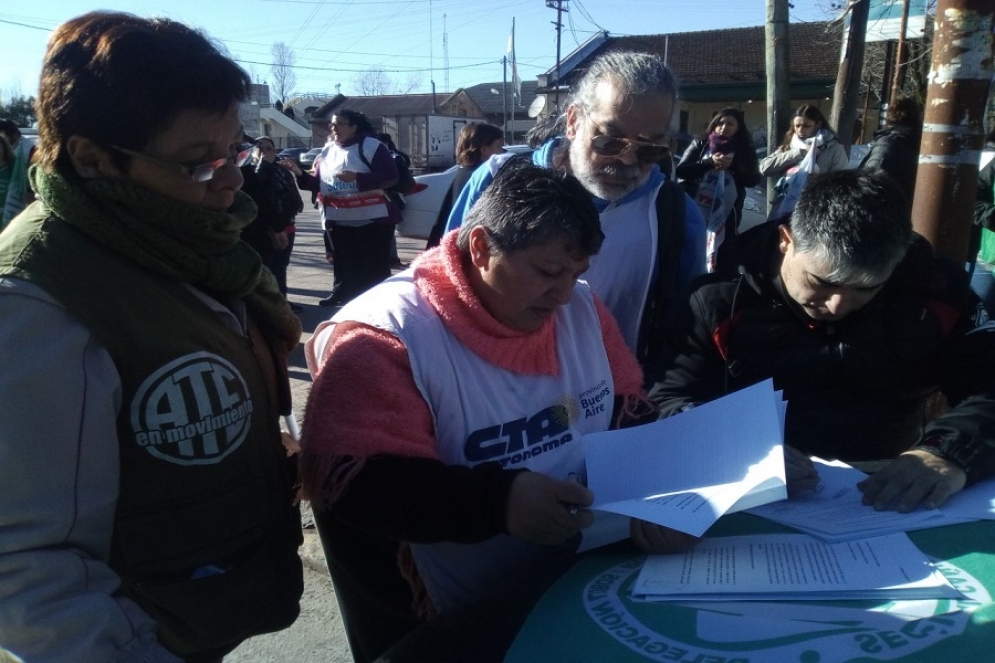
754 207
421 207
292 153
306 161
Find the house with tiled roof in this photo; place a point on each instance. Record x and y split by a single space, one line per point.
714 69
718 68
497 102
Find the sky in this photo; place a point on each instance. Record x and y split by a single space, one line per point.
335 41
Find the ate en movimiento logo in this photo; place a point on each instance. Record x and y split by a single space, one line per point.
195 410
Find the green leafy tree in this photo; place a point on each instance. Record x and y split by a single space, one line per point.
19 108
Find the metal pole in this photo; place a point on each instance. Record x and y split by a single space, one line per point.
953 127
504 99
512 116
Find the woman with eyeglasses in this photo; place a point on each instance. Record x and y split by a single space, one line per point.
726 147
147 501
350 176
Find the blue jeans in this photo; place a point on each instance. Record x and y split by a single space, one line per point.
983 283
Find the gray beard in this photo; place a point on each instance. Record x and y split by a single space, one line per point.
581 168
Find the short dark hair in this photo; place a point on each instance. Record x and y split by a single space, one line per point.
905 112
119 79
859 222
527 205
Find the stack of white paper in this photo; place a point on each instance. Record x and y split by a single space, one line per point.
793 567
834 511
686 471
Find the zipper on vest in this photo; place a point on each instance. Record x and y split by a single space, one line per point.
242 315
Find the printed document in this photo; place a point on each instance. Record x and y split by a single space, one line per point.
793 567
686 471
834 510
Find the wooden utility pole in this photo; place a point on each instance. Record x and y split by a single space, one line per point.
778 68
558 6
953 128
844 112
900 57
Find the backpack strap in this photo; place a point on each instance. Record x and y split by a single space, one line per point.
362 154
659 312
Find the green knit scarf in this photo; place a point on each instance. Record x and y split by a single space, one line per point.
177 240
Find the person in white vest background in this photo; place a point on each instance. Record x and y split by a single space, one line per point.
350 176
441 443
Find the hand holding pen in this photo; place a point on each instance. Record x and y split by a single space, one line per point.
547 511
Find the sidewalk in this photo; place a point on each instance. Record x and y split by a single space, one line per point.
317 636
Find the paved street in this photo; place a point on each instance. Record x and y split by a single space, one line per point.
317 636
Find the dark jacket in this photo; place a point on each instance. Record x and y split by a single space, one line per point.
697 161
275 193
460 178
895 150
855 388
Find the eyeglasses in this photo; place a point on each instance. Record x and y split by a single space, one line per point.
200 173
609 146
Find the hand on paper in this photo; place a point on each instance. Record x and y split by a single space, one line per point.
539 508
657 539
799 471
915 477
346 176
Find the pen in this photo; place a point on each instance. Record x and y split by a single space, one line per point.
291 421
573 508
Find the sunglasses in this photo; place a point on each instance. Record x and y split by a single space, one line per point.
609 146
203 172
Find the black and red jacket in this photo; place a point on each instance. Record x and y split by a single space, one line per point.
856 388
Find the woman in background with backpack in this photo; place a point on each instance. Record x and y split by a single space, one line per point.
350 176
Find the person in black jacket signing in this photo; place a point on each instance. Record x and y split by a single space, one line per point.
856 319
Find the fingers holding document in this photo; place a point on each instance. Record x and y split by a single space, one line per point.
660 540
799 471
915 477
546 511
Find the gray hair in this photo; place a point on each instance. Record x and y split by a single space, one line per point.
636 74
858 222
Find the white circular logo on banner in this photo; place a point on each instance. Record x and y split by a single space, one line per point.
195 410
750 631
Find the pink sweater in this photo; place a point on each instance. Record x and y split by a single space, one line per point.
364 400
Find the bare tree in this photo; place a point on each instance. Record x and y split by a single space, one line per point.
376 82
284 78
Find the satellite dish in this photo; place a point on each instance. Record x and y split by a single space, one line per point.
537 106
